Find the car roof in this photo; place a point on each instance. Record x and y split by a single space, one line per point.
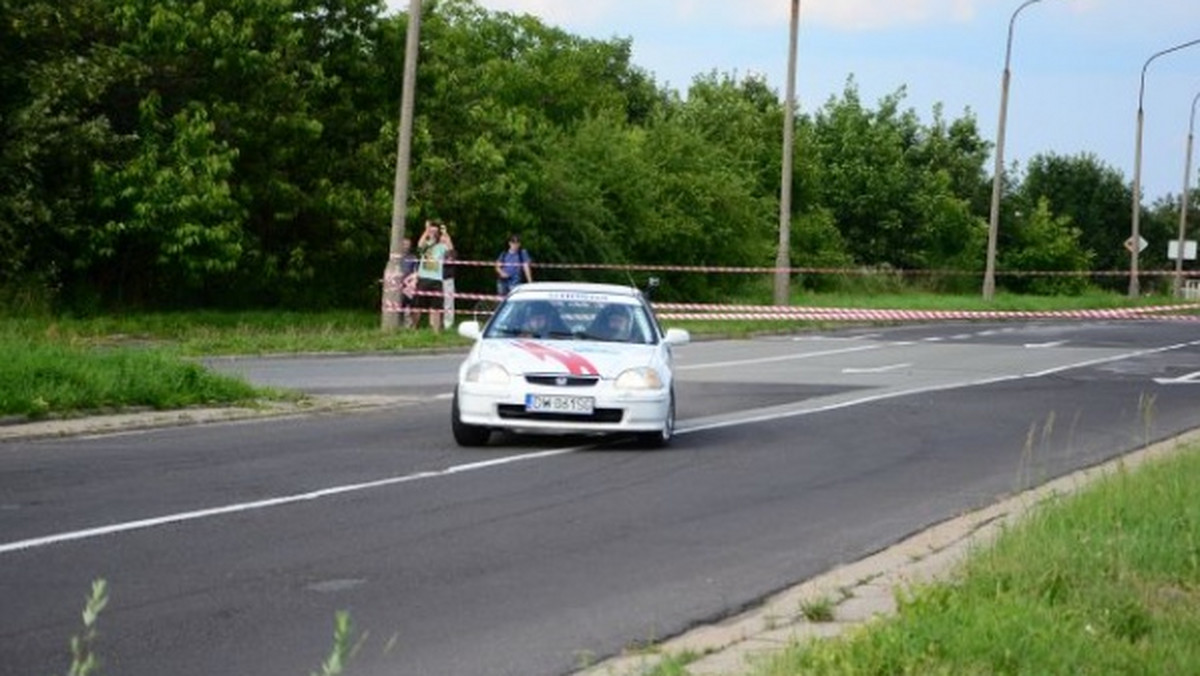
544 289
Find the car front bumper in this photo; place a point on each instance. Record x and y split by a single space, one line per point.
614 410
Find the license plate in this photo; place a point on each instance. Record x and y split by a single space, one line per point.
553 403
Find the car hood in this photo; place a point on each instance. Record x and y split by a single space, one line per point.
607 360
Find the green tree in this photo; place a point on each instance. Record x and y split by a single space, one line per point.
901 194
1093 195
707 211
742 117
1046 243
175 221
56 61
817 244
862 176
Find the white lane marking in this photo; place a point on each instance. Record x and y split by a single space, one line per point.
1189 379
140 524
876 369
769 417
59 538
1053 343
785 357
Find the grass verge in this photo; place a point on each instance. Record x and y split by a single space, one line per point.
1106 581
59 365
38 379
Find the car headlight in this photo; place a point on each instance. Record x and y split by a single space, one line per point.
641 378
487 373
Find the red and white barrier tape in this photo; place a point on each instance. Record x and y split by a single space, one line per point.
707 311
856 271
911 315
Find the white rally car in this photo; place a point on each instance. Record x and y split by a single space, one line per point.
564 357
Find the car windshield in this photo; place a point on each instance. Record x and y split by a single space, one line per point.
573 317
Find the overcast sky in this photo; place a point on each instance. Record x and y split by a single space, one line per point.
1076 64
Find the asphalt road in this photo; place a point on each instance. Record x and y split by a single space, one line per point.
229 548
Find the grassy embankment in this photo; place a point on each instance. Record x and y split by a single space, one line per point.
59 365
1103 582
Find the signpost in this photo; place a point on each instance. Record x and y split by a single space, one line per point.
1189 250
1141 244
1188 290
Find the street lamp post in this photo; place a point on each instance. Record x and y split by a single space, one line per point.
783 258
1184 200
989 274
1135 236
390 311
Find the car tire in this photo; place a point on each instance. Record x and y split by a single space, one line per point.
662 437
464 434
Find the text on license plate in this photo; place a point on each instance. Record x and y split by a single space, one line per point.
554 403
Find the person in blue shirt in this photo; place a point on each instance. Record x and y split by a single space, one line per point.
513 266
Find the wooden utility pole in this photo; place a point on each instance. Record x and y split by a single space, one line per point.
783 258
390 310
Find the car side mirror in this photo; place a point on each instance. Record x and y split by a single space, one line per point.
470 329
677 337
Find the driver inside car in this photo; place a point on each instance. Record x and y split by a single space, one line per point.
613 323
539 320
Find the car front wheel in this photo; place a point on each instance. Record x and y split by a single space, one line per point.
663 436
464 434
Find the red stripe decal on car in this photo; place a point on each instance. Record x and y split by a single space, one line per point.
576 364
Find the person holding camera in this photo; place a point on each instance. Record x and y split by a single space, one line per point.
432 248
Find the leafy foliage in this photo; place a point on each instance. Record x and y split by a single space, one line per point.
1047 243
1094 196
240 153
900 194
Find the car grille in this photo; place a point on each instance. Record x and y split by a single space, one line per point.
600 415
562 380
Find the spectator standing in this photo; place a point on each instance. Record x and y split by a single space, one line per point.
448 278
408 280
513 266
429 275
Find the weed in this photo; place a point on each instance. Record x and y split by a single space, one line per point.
83 658
344 647
818 610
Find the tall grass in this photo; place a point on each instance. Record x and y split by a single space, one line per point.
59 365
42 378
1105 582
209 333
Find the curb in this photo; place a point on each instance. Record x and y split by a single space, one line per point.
144 420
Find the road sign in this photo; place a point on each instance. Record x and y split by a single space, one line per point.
1189 250
1141 244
